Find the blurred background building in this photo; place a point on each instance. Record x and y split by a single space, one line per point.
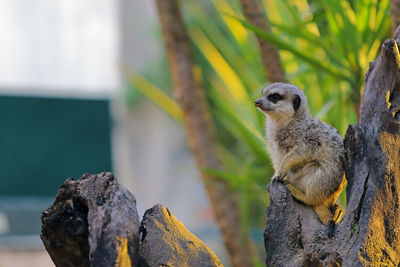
63 114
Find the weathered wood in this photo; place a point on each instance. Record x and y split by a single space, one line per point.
369 233
166 242
92 222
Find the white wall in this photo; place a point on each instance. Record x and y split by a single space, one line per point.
59 47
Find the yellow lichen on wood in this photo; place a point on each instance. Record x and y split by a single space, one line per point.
383 240
123 259
182 241
391 146
388 104
397 54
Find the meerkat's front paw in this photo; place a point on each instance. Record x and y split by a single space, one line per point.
337 213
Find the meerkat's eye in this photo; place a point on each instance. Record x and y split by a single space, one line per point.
275 97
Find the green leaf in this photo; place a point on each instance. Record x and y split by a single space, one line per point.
246 133
155 94
325 108
312 41
282 45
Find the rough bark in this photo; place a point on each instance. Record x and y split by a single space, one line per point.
269 54
92 222
369 233
200 131
166 242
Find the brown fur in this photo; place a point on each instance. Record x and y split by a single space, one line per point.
307 154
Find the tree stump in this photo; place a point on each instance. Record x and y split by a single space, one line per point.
94 222
369 233
166 242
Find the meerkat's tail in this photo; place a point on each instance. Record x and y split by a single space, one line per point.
337 214
329 216
331 228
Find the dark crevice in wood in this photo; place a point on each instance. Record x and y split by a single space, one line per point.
300 242
142 232
360 203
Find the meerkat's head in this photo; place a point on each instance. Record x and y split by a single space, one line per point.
282 101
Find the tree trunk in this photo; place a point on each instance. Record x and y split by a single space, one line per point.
395 13
270 55
200 131
369 234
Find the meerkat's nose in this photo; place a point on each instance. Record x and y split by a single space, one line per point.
257 103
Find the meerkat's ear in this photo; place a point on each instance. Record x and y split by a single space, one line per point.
296 102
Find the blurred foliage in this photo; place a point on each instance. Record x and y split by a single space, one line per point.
325 47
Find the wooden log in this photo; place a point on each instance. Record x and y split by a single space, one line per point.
165 241
369 234
92 222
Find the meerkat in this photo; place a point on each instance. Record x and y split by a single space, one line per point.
307 154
